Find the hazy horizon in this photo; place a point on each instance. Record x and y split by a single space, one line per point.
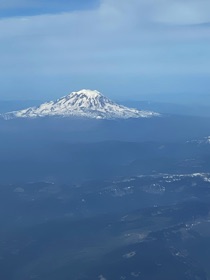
184 99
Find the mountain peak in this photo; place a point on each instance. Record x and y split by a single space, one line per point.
87 92
83 104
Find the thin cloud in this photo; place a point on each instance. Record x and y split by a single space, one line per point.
118 39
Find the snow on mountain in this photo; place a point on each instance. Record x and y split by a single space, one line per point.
205 140
84 103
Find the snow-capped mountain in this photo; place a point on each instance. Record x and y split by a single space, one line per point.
84 103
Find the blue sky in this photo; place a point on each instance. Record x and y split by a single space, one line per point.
11 8
136 49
